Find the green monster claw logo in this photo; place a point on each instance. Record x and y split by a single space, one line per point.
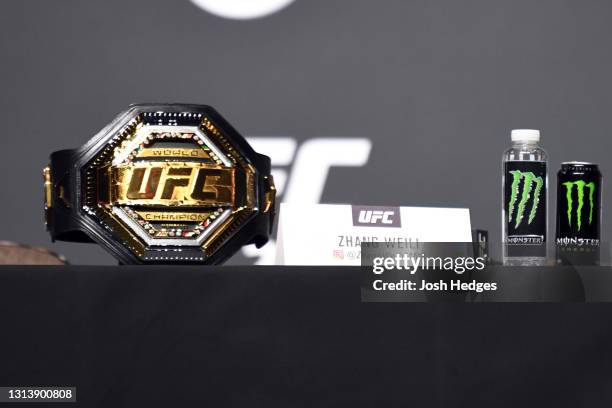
580 185
529 179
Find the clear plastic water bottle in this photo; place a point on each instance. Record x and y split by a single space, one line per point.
524 200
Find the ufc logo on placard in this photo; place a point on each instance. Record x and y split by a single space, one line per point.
365 216
373 217
189 184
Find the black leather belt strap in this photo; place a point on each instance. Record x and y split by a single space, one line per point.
63 216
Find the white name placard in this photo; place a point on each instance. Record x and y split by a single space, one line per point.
331 234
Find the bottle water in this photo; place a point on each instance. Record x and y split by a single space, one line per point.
524 200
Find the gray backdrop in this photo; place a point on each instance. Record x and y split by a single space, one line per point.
435 85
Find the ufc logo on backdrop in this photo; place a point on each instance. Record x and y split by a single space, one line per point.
300 171
366 216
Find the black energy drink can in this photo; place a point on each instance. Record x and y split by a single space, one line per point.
578 214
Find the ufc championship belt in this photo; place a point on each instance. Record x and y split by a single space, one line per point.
162 183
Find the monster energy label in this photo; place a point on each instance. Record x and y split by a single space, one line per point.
578 213
525 208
